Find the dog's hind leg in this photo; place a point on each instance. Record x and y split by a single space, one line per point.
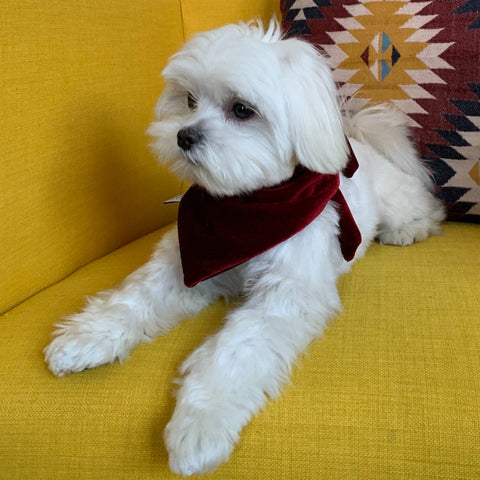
408 210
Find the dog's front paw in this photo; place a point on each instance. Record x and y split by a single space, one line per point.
71 352
198 440
86 341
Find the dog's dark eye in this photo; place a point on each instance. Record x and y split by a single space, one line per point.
241 111
192 102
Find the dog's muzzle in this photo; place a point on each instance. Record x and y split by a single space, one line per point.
188 137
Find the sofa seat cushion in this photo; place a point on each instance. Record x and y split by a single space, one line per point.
390 391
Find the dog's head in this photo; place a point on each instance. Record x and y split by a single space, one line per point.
242 107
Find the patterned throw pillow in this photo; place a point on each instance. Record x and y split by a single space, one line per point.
424 56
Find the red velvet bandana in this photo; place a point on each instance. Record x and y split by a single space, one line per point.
217 234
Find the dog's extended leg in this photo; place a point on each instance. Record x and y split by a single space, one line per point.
228 379
148 303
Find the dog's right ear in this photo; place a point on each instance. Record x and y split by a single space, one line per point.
172 101
315 119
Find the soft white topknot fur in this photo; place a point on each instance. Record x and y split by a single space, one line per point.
241 108
256 29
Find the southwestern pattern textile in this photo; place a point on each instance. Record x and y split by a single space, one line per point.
424 57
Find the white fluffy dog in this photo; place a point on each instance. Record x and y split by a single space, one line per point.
243 108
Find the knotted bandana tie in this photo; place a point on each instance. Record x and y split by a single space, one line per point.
217 234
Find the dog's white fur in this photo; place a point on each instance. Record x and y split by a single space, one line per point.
288 292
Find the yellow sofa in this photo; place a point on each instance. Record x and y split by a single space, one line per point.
391 391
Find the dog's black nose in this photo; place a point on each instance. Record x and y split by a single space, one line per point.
187 137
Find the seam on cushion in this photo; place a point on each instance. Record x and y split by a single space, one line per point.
183 185
46 287
182 17
73 272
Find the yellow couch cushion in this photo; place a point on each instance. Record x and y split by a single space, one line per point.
78 84
390 391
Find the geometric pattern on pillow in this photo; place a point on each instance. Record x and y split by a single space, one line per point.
424 57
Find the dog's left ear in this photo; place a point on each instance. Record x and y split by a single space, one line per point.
312 107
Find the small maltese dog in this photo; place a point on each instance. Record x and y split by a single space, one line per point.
287 192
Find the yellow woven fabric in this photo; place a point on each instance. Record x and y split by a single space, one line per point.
78 84
391 391
201 15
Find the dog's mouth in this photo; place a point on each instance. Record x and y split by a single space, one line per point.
190 157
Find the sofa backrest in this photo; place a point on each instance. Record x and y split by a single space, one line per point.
78 84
